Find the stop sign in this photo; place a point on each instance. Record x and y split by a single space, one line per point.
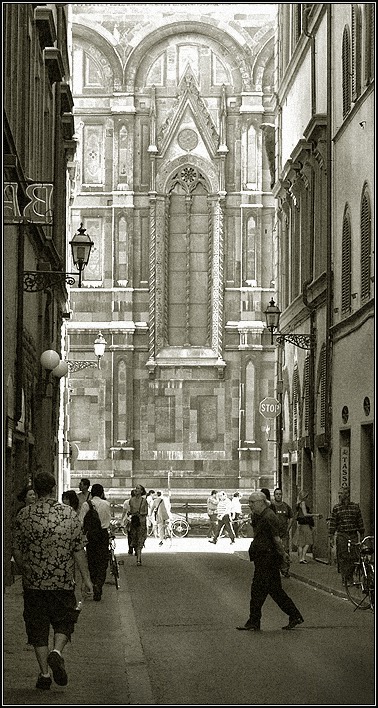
270 407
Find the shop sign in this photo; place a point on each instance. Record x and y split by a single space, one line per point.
39 209
344 466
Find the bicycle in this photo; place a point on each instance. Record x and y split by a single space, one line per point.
176 527
245 528
113 563
360 587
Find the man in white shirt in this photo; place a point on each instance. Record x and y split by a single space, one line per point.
98 548
236 512
224 517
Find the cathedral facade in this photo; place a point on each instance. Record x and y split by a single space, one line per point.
172 180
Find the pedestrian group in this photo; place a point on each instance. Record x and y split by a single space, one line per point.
62 551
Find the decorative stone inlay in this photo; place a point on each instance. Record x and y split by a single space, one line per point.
187 139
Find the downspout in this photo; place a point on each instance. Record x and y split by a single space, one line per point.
329 294
313 68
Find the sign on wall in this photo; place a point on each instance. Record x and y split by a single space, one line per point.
344 466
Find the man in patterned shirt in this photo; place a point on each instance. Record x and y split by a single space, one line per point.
48 540
346 521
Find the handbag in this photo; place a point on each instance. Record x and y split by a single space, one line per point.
135 520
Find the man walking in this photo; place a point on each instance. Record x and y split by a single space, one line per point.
347 523
223 517
48 541
84 493
161 515
285 519
267 552
212 505
98 544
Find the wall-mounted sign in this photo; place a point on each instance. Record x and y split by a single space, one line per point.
344 466
39 210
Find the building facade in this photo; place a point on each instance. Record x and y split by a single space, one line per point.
173 183
324 190
37 140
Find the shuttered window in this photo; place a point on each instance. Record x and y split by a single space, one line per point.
306 392
346 265
346 72
356 52
369 41
322 387
296 394
365 245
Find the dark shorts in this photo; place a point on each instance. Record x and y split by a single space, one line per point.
43 608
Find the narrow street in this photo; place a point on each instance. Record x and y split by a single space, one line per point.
168 636
187 606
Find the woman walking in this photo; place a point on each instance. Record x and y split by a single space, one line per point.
305 521
138 521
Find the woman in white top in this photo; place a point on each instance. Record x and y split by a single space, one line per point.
224 517
236 512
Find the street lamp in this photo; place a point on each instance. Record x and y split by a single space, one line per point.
59 367
99 348
35 281
81 246
272 316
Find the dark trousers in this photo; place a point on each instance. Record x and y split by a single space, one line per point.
225 521
213 526
346 559
267 581
98 559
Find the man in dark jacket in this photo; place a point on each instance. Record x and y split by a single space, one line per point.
347 523
267 553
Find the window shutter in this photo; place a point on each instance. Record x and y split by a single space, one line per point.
306 392
346 276
365 246
356 52
346 73
322 387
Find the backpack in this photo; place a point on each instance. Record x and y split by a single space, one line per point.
92 524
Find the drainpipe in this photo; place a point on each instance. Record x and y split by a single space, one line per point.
329 316
313 68
311 374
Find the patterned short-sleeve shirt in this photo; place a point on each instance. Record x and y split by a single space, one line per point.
47 534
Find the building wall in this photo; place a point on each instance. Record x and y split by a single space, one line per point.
37 125
161 106
353 315
326 164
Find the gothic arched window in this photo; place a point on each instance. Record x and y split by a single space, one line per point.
188 260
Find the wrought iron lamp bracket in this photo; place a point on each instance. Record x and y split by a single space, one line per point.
79 365
303 341
45 280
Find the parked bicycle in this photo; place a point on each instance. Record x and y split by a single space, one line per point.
244 527
117 527
113 563
176 526
360 588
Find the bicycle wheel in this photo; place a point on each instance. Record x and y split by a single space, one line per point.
244 529
357 591
114 569
179 528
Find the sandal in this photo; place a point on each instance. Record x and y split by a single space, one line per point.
139 562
